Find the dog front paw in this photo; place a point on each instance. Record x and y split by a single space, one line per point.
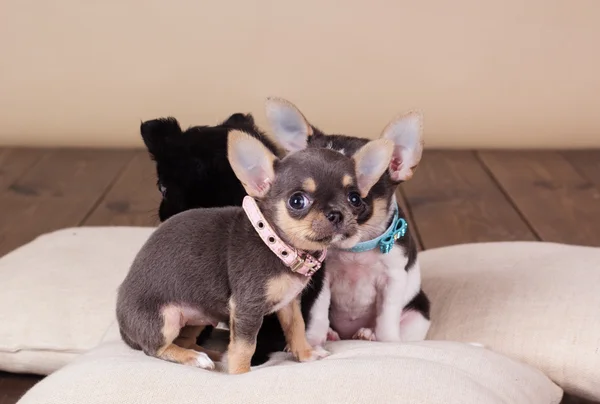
332 335
365 334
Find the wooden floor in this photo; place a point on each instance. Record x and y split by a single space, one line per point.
455 197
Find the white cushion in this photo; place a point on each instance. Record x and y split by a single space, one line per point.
535 302
357 372
57 294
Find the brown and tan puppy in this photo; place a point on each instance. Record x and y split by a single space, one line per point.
205 266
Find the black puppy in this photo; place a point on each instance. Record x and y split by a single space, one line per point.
200 150
193 172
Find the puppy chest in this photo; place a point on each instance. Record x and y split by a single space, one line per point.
357 278
282 289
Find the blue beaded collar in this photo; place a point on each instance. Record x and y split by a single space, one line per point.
386 241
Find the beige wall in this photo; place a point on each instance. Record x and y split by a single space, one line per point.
506 73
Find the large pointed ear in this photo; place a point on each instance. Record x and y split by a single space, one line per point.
251 162
290 128
156 134
370 162
406 132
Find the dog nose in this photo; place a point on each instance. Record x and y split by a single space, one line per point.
335 217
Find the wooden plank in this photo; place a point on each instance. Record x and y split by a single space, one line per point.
556 200
586 162
13 386
133 200
72 173
59 191
15 162
409 218
30 217
454 200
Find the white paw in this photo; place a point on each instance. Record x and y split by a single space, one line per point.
365 334
316 354
204 362
321 352
477 344
332 335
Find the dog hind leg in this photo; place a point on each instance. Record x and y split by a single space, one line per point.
413 326
169 351
187 339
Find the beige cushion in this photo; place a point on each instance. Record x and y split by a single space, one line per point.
527 300
57 294
535 302
357 372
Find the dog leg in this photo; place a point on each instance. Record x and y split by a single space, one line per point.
187 339
332 335
187 336
317 329
413 326
173 353
243 328
293 327
213 355
389 310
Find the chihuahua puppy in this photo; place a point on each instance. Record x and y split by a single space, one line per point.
374 286
234 264
193 172
197 156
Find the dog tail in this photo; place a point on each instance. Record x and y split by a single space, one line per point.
156 132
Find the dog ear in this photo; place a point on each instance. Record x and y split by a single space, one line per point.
370 162
406 132
251 162
155 133
290 128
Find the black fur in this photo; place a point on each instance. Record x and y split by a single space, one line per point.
420 303
192 166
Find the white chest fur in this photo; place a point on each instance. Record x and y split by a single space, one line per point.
369 289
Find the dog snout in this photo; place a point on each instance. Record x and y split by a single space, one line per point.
335 217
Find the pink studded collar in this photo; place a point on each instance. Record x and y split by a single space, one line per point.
297 260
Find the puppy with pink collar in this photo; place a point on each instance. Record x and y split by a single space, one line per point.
240 264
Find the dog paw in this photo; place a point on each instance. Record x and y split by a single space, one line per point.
332 335
313 354
204 362
365 334
321 352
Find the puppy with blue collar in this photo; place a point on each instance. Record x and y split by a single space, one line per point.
372 290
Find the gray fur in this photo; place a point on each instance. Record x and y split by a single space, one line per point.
202 257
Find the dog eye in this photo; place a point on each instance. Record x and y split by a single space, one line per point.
298 201
355 199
